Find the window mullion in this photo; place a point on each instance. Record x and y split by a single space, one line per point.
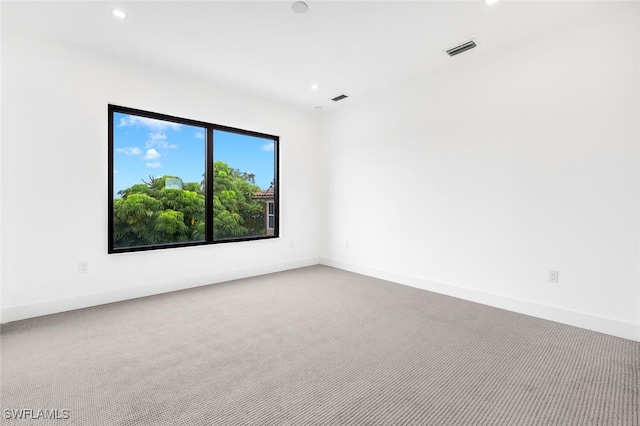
208 202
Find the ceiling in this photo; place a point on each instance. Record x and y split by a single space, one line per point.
265 48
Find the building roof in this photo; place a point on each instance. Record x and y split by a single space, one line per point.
267 193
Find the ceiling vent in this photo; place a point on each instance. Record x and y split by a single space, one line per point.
339 98
462 48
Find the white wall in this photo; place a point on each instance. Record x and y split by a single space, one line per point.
479 179
54 179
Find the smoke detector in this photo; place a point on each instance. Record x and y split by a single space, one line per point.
300 7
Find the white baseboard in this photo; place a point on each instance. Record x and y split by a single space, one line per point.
16 313
577 319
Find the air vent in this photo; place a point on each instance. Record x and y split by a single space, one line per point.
339 98
461 48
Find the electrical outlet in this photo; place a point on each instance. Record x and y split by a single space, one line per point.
553 276
83 267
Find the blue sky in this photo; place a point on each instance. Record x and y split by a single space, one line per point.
144 146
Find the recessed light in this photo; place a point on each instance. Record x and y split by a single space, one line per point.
299 7
491 2
119 13
315 86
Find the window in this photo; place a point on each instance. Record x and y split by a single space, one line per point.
271 222
176 182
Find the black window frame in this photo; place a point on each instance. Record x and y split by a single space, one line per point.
208 179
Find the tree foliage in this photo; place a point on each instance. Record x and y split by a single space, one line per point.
235 212
148 213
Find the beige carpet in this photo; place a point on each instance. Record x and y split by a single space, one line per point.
313 346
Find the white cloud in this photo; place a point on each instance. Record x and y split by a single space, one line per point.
159 139
268 147
199 135
151 154
151 123
132 150
153 165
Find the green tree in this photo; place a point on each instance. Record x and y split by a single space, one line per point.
235 212
149 213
